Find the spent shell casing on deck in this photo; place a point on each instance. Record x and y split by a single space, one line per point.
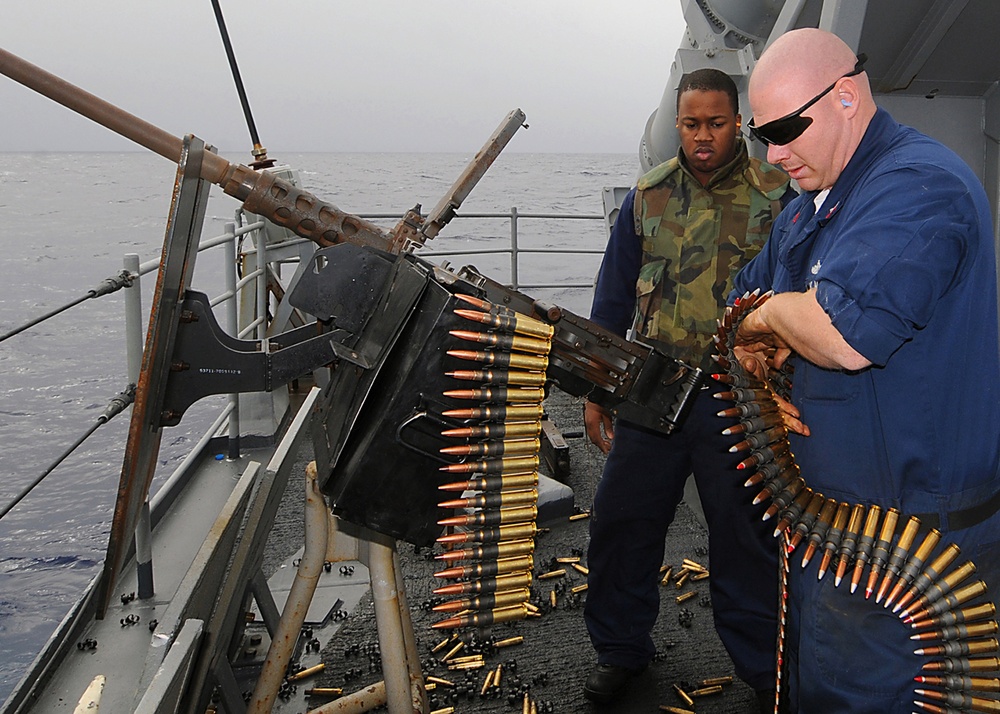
498 395
497 430
880 553
485 618
865 543
931 572
784 497
508 447
959 701
494 483
496 376
805 523
960 682
499 358
509 581
833 536
518 343
899 554
488 601
950 601
849 542
510 322
495 499
503 549
485 569
942 586
499 412
912 567
962 665
794 510
957 632
514 531
959 648
817 533
505 465
972 613
514 514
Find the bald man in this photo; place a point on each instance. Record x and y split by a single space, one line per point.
885 274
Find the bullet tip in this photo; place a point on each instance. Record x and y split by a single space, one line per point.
854 587
837 580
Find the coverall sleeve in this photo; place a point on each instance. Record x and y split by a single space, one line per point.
614 294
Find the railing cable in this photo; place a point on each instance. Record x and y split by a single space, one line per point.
108 285
117 404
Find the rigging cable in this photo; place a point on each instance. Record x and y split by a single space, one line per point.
117 404
259 152
124 279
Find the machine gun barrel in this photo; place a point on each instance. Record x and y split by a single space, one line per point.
264 193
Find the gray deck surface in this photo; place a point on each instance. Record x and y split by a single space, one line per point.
556 655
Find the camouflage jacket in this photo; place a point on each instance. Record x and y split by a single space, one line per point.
694 240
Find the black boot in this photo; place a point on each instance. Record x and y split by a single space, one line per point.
605 681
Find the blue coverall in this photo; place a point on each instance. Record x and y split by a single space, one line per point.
901 254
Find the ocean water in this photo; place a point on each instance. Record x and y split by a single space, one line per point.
67 220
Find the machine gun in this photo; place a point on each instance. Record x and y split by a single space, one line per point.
399 294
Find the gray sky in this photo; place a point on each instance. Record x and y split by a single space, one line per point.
329 75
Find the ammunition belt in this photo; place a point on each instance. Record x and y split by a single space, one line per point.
495 444
943 605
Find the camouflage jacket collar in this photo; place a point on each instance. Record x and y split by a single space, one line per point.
735 167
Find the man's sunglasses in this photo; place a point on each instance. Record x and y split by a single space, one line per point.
790 127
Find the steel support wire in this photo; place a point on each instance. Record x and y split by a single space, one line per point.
108 285
117 404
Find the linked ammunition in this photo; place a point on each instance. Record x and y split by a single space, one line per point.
494 499
510 322
514 514
498 412
954 632
960 682
754 424
485 618
494 483
505 465
517 343
959 648
818 532
784 497
928 575
494 448
509 581
768 471
500 566
793 511
864 550
951 600
962 665
489 431
749 409
762 456
986 610
960 700
737 380
898 557
513 531
516 378
848 542
740 395
939 588
762 438
500 358
498 395
912 566
881 552
805 524
503 549
775 485
833 536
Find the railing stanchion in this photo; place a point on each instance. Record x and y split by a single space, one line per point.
513 248
233 329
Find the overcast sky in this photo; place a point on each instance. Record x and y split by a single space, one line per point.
330 75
